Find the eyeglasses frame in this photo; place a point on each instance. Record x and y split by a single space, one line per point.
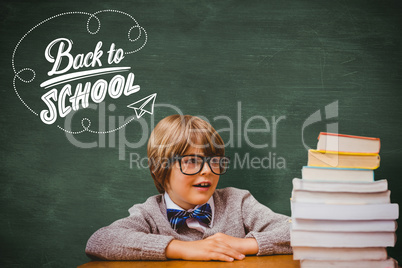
204 159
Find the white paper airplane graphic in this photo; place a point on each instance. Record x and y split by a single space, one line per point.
144 105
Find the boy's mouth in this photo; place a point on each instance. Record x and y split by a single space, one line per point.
203 185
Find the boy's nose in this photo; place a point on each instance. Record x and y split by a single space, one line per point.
205 169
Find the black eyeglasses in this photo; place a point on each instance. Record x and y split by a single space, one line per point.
193 164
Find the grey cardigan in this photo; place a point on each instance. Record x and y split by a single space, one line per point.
145 234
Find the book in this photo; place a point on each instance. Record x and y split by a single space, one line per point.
347 143
300 238
337 174
388 263
339 254
338 186
344 212
343 159
341 197
344 225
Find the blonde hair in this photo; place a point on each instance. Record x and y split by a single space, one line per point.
173 136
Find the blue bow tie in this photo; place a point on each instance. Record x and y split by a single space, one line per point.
177 218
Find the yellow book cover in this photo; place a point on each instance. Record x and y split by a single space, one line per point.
321 158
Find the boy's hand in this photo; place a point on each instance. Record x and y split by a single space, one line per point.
202 250
246 246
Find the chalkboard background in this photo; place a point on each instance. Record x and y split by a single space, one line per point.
224 61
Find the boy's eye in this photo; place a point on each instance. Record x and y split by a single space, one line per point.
215 160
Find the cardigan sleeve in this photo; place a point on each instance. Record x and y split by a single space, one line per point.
130 238
271 230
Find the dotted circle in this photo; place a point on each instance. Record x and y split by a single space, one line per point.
83 121
99 24
26 69
139 33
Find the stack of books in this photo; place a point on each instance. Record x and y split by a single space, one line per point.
341 217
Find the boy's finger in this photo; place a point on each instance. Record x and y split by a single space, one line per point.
229 251
221 257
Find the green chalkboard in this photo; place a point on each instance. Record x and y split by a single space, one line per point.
268 75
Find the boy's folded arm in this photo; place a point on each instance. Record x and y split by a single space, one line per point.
271 230
203 250
246 246
127 239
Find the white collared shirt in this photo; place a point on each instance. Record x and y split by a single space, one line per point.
191 222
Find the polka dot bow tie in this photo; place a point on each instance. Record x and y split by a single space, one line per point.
177 218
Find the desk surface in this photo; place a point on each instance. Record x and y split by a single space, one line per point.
283 261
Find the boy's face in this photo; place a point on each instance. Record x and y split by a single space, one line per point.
182 188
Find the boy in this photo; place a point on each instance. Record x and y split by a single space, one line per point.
191 220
